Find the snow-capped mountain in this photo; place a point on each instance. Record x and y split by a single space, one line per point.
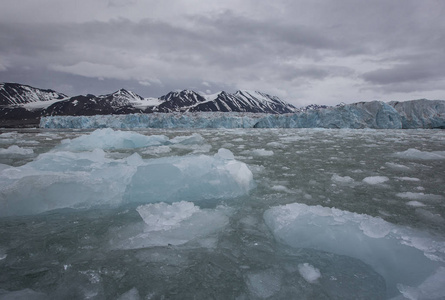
19 101
241 101
19 94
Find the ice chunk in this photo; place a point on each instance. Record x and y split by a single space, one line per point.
420 196
162 216
309 272
422 155
112 139
171 224
225 154
408 178
281 188
264 284
415 204
132 294
155 150
188 140
342 179
190 178
259 152
81 180
397 167
375 179
432 288
26 294
16 150
398 254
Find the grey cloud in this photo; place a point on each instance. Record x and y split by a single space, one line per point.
297 45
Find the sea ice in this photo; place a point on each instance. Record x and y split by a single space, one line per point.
375 179
394 252
342 179
309 272
419 196
415 204
112 139
264 284
171 224
408 178
16 150
63 179
421 155
132 294
432 288
26 294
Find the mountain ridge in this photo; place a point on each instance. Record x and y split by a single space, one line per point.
19 101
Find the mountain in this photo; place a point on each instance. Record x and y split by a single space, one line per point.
241 101
24 103
18 94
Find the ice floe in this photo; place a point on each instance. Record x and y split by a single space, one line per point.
401 256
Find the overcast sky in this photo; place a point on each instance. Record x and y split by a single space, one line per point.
304 52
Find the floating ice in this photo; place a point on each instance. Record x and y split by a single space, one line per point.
195 138
417 154
16 150
264 284
259 152
162 216
398 167
415 204
309 272
80 180
26 294
408 178
171 224
342 179
110 139
190 178
132 294
419 196
281 188
375 179
432 288
398 254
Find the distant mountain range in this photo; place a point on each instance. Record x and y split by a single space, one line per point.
23 105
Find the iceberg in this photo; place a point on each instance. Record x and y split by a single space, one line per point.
374 114
65 179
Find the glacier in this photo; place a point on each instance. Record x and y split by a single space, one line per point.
375 114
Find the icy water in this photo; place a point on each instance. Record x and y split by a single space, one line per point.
222 214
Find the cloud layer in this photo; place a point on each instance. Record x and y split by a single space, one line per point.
305 52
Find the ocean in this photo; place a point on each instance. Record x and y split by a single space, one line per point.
222 214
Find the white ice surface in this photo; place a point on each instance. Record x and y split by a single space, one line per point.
419 196
16 150
171 224
421 155
309 272
112 139
399 254
375 180
63 179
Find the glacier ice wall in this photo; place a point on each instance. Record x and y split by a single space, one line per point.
375 114
421 113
